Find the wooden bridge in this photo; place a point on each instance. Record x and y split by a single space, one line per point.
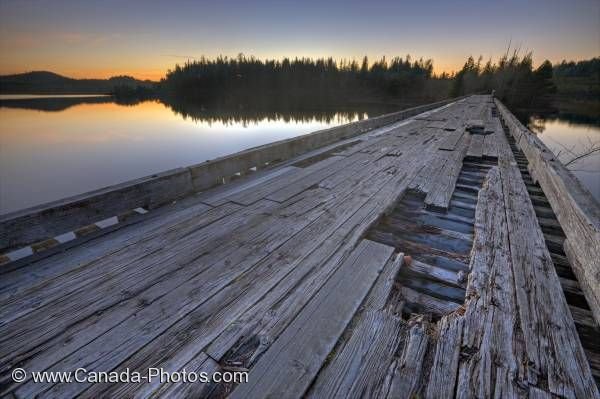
440 251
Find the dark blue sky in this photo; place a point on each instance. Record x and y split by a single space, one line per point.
103 38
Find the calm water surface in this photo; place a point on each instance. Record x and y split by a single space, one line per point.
567 139
54 148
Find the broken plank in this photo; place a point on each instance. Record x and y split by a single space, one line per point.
441 193
379 295
408 372
490 146
476 146
491 343
359 367
444 369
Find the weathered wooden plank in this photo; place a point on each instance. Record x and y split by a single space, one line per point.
430 118
200 364
492 364
570 286
441 193
423 182
476 124
582 271
537 393
476 146
312 179
442 378
359 377
452 139
365 145
219 197
408 372
341 177
379 295
419 233
253 194
441 124
394 128
490 142
434 272
48 220
583 317
288 367
412 143
359 367
452 124
432 305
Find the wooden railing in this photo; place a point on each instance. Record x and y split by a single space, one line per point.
576 210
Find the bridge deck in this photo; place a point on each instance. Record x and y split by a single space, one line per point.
417 259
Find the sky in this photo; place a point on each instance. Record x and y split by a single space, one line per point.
99 39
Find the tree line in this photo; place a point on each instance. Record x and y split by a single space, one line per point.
244 79
580 69
513 79
296 77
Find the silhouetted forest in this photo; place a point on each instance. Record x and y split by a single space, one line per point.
578 87
513 79
580 69
243 79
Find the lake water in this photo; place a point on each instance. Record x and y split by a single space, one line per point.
567 139
51 148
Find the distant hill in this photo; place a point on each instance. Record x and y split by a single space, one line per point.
43 82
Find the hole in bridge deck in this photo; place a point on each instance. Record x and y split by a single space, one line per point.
437 244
